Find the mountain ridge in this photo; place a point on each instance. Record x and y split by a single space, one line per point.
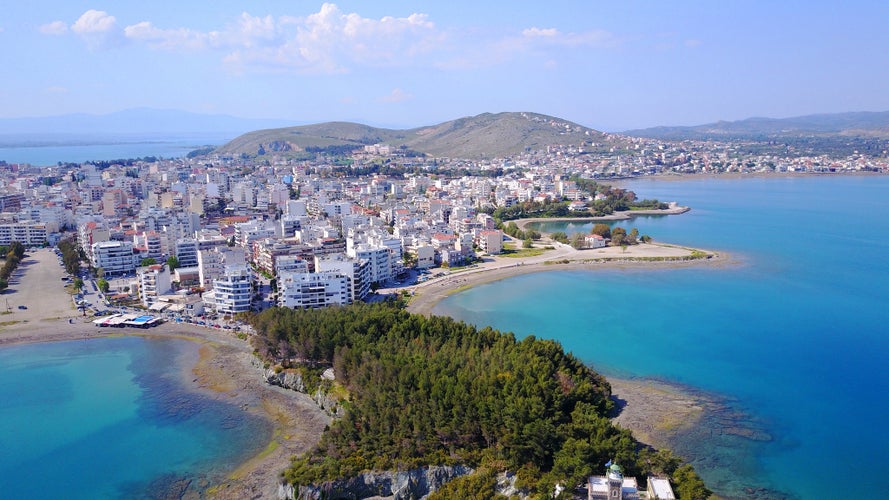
856 123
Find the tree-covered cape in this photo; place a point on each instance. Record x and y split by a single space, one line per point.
431 390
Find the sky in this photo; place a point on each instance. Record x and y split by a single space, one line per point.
610 65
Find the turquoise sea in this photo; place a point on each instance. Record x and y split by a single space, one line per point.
790 337
109 418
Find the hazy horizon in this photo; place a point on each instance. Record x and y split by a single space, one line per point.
611 66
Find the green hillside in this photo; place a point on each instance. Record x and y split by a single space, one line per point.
483 136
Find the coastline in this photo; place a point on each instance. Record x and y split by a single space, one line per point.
655 411
425 296
225 370
617 216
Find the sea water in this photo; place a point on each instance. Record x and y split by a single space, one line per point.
106 149
109 418
790 334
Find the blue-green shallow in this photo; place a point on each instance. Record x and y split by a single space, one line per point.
110 418
793 337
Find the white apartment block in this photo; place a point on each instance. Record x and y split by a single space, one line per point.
114 257
425 256
358 272
186 251
379 259
154 281
212 263
89 234
231 292
313 290
491 242
26 233
248 232
291 264
153 244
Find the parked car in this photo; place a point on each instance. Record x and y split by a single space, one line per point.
23 307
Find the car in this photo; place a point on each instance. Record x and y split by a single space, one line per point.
23 307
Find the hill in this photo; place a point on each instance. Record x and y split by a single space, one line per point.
481 136
857 124
417 391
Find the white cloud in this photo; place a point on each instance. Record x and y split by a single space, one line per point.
94 21
98 29
397 95
174 39
332 41
57 89
538 32
592 38
544 44
327 41
54 28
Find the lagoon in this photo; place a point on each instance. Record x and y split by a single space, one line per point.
790 335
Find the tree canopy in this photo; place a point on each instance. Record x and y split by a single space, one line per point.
431 390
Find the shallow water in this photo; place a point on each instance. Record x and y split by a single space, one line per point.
109 418
792 338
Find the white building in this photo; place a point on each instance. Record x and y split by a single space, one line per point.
153 244
659 489
425 256
594 241
291 264
379 259
296 208
231 292
114 257
154 281
313 290
90 233
248 232
26 233
358 272
186 252
613 486
491 242
213 262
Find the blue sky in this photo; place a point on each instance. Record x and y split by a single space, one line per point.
610 65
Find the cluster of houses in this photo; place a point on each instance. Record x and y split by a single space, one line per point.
317 237
196 238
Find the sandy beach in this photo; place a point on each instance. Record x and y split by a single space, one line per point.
227 370
562 257
654 411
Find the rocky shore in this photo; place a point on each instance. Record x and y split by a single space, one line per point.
226 370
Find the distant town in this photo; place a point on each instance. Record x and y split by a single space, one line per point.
224 234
